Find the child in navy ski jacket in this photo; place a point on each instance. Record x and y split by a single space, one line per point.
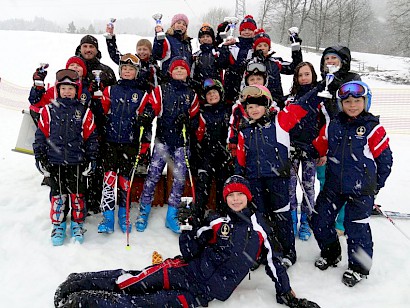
213 159
263 158
239 52
176 107
359 160
275 65
209 61
65 149
216 257
122 104
177 43
301 137
147 76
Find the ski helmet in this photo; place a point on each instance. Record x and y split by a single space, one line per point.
256 94
130 59
255 68
213 84
206 29
67 77
356 89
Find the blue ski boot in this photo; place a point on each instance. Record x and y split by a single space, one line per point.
77 232
172 219
142 220
304 229
122 219
58 234
295 221
107 225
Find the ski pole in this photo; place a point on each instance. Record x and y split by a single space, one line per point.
391 220
311 209
187 163
134 167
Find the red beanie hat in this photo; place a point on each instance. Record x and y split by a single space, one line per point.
179 61
79 61
261 37
237 183
248 23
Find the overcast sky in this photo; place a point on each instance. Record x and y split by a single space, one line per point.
71 10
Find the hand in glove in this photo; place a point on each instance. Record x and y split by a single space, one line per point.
144 120
290 300
232 148
39 76
182 120
95 86
294 38
42 166
222 27
186 216
90 170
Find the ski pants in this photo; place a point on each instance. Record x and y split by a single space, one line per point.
167 284
68 186
308 182
161 155
271 197
357 217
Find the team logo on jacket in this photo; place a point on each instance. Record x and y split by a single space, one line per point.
225 230
83 98
360 131
78 115
134 97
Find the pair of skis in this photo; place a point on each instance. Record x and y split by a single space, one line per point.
392 214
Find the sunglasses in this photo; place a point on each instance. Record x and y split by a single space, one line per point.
256 66
252 91
67 75
129 58
351 89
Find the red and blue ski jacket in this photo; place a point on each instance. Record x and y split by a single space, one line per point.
359 158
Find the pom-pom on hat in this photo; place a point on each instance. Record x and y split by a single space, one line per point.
182 17
206 29
237 183
179 61
89 39
248 23
261 37
78 61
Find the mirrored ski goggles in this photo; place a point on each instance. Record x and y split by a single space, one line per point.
253 91
209 83
131 59
256 66
67 74
351 89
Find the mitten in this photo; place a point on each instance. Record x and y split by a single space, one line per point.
90 170
42 166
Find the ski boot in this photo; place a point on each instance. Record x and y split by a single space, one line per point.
77 232
304 229
122 219
351 278
295 221
172 219
325 263
107 225
142 220
58 234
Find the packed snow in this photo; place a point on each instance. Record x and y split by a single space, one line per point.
31 268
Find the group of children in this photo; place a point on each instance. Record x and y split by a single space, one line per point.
220 111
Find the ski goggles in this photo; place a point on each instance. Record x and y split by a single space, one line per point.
351 89
67 75
209 82
256 66
130 59
255 91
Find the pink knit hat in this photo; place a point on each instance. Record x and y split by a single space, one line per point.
177 17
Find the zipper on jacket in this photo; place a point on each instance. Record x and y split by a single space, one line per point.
342 160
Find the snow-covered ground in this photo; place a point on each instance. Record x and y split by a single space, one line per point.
31 268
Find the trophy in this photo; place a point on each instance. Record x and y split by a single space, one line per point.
332 69
42 69
97 74
187 201
157 17
232 22
110 25
293 31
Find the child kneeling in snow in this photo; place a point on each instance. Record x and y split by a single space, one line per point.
359 162
65 149
215 259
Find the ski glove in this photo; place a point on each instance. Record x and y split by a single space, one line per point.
232 148
294 38
144 120
90 170
291 301
39 76
182 120
42 167
95 86
186 216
